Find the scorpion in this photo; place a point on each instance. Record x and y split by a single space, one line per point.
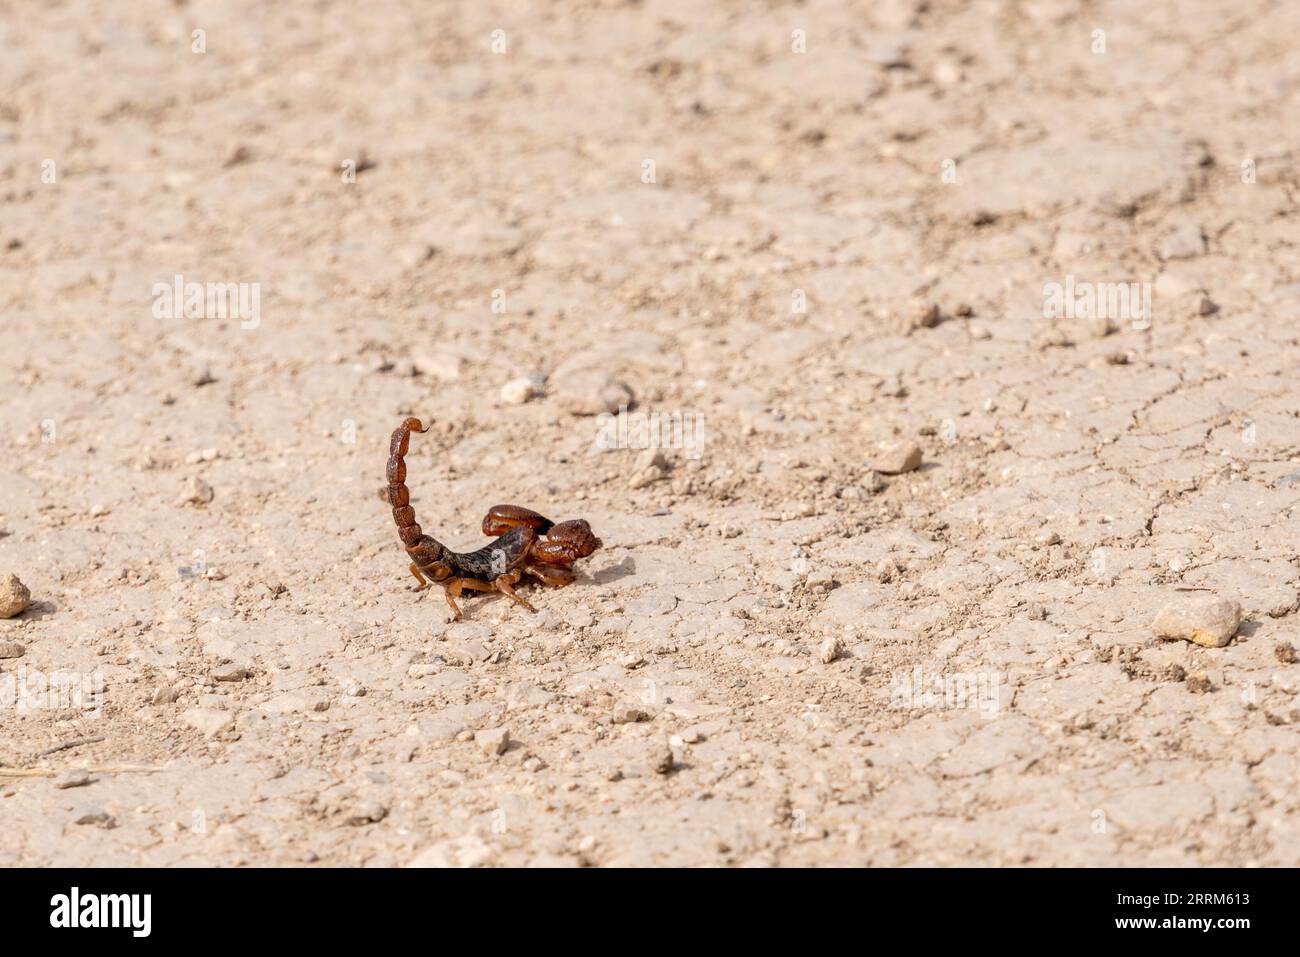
527 544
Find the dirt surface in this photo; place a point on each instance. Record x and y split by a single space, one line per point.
667 197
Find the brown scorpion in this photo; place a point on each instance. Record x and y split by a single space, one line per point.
519 550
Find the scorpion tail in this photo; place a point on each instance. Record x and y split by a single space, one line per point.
399 496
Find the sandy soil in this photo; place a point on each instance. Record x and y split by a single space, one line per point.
274 691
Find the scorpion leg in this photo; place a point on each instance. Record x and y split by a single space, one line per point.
555 577
415 570
452 590
501 518
454 586
505 585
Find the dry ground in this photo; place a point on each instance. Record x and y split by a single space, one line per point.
961 154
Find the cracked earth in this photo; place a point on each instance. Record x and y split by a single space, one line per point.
194 505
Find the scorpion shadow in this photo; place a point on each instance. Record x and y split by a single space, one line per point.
612 573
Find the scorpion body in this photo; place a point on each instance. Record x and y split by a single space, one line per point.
527 543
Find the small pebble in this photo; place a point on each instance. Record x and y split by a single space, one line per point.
14 597
1047 537
820 581
1204 620
592 393
195 492
897 460
367 812
96 816
12 649
412 255
210 721
653 459
947 72
661 757
625 713
520 390
1199 684
72 779
206 455
1285 652
646 477
830 649
493 741
447 366
1174 284
1184 243
925 315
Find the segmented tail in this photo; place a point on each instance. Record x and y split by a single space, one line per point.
418 545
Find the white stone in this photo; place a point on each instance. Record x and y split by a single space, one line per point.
829 650
209 720
520 390
493 741
1184 243
897 459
